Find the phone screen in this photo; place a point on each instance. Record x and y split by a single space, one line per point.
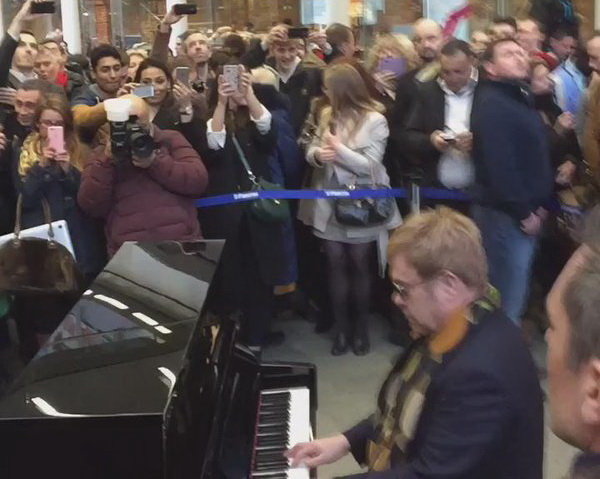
398 66
182 75
185 9
56 138
231 73
300 32
43 7
144 91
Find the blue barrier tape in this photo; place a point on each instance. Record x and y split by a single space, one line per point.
300 195
426 193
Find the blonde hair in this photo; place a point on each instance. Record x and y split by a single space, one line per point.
442 239
349 96
401 45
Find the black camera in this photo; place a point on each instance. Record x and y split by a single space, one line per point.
199 86
128 139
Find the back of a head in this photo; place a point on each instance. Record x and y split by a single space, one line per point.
235 45
103 51
442 239
337 34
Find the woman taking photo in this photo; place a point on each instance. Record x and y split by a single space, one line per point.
173 105
41 172
253 261
348 150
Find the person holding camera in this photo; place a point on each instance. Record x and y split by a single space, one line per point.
172 106
143 182
254 259
301 84
88 105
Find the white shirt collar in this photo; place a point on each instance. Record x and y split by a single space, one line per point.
469 88
286 76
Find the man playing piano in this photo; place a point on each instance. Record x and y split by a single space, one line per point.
464 400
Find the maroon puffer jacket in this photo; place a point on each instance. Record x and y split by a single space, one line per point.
151 204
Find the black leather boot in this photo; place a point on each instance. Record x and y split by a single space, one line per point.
340 344
360 342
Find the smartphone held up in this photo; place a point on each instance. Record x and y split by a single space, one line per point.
56 138
232 75
43 7
185 9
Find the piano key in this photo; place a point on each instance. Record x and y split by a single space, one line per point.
274 427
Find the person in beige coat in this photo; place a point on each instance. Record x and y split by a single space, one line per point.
348 150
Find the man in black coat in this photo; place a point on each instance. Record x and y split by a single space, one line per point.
438 136
464 401
429 40
299 83
513 172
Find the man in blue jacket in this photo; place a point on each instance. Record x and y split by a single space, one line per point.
513 172
464 401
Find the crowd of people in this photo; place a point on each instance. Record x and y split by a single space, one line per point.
494 133
503 118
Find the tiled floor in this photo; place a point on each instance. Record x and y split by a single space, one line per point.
347 387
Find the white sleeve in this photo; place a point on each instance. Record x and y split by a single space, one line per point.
263 124
216 139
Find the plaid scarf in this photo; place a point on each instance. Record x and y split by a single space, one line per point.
403 393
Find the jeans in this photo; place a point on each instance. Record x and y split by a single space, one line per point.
510 254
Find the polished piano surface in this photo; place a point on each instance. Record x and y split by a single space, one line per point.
140 380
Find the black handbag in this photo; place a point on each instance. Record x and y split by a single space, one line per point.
263 209
364 212
35 265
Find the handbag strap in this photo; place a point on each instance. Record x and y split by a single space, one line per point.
242 157
47 217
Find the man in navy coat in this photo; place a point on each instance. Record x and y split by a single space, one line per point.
464 401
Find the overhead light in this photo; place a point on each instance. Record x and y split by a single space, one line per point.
46 408
162 329
146 319
85 14
88 292
111 301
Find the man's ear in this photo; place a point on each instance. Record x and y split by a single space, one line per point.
590 408
489 68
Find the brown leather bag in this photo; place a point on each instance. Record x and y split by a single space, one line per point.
34 265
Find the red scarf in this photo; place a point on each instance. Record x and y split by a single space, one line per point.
62 79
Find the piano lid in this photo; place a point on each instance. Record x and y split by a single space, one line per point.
121 347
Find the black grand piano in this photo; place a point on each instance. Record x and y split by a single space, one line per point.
141 381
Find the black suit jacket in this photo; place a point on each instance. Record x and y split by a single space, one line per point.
483 415
427 116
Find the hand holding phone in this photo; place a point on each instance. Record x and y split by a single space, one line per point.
56 138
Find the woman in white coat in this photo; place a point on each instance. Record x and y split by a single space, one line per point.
348 150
